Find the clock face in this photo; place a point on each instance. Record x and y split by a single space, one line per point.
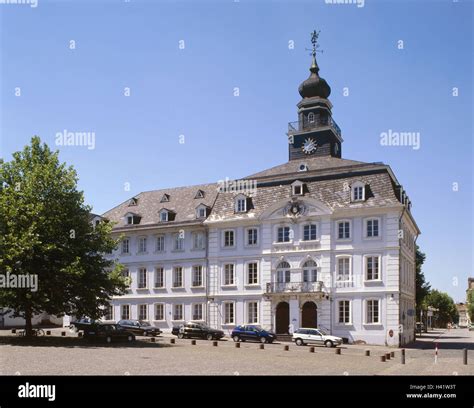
309 146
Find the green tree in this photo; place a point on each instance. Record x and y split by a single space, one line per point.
422 286
45 230
470 307
447 311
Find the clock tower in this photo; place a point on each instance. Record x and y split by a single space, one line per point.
315 133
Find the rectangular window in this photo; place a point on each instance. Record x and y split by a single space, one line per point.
197 275
310 275
109 315
142 312
343 230
178 312
309 232
126 275
358 193
202 212
343 271
197 311
344 311
283 276
252 312
126 246
160 243
373 228
228 274
125 312
241 205
283 234
159 277
159 311
229 238
164 216
252 273
178 242
252 236
372 265
178 277
142 278
228 313
373 309
142 244
198 240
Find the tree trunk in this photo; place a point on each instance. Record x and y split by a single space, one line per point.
28 323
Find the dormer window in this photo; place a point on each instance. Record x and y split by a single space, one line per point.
133 201
241 203
164 216
297 188
201 211
358 191
165 198
132 219
199 194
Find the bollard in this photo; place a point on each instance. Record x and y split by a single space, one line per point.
403 356
311 349
214 343
152 340
172 341
48 333
262 346
367 353
387 356
464 356
382 359
237 345
193 342
63 333
286 348
392 354
338 351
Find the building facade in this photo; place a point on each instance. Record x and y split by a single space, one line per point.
319 241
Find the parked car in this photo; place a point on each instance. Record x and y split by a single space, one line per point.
199 330
139 327
304 336
109 333
253 333
81 324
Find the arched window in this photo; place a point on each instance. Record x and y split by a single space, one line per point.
311 117
310 271
283 272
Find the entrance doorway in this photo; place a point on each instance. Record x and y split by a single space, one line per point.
309 315
282 318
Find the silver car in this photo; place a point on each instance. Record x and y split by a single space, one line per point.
304 336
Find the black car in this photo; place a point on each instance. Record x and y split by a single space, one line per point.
108 333
81 324
197 330
253 333
139 327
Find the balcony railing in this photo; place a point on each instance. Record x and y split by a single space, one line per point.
305 125
295 287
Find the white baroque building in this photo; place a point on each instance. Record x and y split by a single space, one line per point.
319 241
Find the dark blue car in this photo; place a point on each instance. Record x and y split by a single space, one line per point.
252 333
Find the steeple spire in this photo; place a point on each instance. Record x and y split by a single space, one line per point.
314 40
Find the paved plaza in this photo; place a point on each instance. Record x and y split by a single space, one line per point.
57 355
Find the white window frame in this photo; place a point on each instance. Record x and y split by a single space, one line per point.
155 274
366 270
199 210
198 240
247 273
310 269
247 231
337 230
175 306
158 238
127 252
297 185
140 316
338 311
366 311
247 312
343 257
240 205
309 224
140 282
224 274
311 117
174 272
129 314
163 317
355 188
110 312
193 305
224 238
178 243
366 226
224 313
164 216
193 276
126 274
142 244
277 234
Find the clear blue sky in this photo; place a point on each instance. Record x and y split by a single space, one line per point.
244 44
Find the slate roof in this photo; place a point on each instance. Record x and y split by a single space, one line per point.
181 201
